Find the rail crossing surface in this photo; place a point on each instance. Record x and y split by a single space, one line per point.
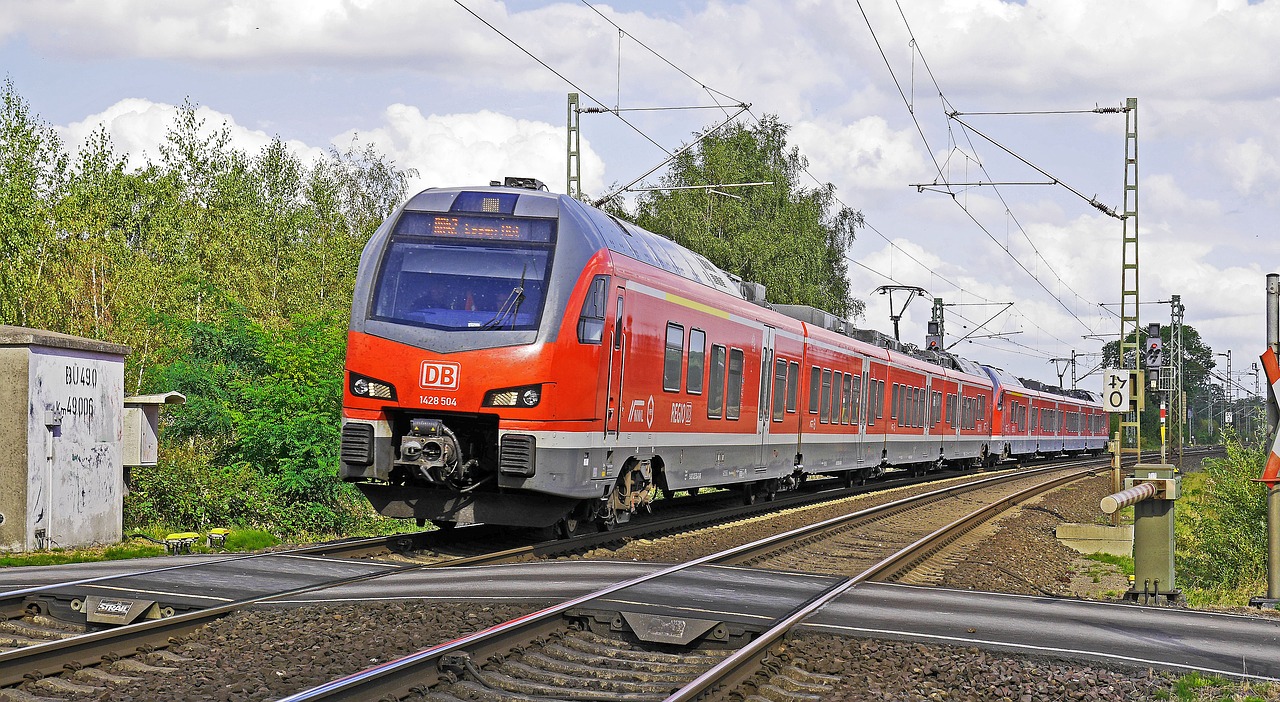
1177 639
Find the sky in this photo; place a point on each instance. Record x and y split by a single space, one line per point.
882 97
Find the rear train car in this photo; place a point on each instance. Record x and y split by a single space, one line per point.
1032 419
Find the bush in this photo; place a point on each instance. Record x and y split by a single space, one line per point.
256 444
1222 538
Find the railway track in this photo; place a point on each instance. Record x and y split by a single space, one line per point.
626 643
61 651
39 641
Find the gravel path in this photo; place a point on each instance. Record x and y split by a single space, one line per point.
269 653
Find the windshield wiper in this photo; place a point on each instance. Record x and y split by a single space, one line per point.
511 306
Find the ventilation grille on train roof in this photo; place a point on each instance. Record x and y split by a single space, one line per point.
516 455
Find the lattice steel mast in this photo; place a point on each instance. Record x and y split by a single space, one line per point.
1131 346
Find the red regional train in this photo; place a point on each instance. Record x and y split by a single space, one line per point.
518 357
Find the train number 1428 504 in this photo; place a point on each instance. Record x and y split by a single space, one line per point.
437 401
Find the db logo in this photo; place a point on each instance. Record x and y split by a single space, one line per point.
440 375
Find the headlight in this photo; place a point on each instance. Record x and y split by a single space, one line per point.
523 396
364 386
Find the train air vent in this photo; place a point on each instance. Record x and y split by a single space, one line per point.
516 455
357 444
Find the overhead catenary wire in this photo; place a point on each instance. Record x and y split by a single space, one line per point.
710 91
560 75
951 112
617 110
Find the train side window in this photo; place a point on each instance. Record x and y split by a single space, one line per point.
617 325
919 415
793 386
814 384
591 318
855 402
673 358
715 393
847 415
779 388
837 400
826 396
766 372
893 402
697 349
937 408
879 399
733 393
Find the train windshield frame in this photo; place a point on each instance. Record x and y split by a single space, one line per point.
468 272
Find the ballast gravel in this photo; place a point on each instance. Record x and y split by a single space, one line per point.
266 654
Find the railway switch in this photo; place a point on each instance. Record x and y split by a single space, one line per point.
1152 492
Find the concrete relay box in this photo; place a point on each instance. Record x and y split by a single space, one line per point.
61 424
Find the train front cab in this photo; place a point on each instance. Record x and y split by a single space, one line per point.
466 356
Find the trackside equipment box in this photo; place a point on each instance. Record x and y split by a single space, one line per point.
61 426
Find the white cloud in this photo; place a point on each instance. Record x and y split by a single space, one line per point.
460 149
473 149
862 155
138 127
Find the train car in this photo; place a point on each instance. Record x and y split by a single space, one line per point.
517 357
1030 418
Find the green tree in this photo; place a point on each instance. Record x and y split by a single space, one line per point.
33 171
786 235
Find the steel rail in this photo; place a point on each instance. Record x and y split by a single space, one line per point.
419 670
54 657
740 665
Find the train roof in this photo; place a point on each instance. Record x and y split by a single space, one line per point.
1034 387
527 199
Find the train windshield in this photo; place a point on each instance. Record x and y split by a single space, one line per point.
466 283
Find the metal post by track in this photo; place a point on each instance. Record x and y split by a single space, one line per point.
1269 476
1152 492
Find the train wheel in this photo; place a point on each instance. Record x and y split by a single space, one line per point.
848 478
749 493
568 527
443 525
771 490
693 491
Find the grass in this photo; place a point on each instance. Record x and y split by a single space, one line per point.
1124 563
139 545
1195 687
60 556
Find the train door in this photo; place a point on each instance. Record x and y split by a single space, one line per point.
617 363
766 387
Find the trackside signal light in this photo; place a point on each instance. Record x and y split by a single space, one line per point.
1155 347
